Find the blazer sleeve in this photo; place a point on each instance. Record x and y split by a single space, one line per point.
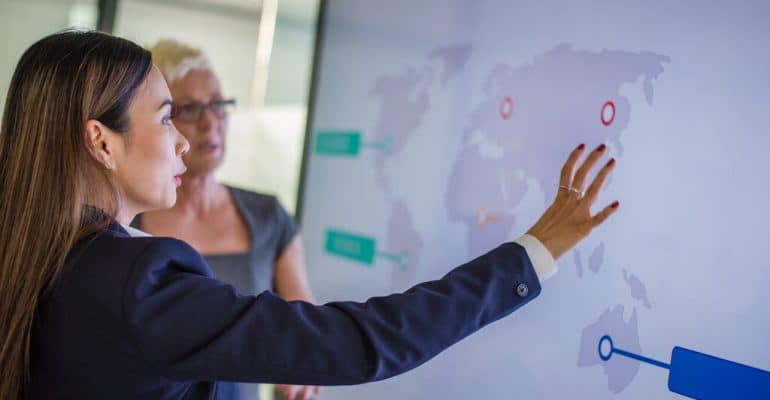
190 326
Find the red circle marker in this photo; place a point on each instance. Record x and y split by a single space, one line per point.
611 106
506 107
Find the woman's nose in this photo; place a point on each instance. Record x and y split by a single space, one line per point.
183 146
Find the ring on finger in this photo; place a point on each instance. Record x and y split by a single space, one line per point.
572 189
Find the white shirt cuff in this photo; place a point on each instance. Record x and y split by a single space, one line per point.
542 260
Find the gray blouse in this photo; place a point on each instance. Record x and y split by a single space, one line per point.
271 229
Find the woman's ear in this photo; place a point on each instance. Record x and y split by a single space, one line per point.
100 143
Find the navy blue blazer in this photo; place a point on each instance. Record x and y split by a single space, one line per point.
133 318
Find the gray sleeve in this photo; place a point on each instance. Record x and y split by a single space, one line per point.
273 227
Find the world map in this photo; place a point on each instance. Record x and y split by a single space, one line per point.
526 115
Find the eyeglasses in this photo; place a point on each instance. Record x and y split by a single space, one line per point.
193 112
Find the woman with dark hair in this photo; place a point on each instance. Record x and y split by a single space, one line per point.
89 312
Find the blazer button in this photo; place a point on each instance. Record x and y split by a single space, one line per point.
522 290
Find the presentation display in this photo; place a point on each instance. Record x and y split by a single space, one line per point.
437 132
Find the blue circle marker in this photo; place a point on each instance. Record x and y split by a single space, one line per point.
612 347
624 353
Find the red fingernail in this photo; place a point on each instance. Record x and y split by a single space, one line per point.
611 162
601 148
582 146
616 204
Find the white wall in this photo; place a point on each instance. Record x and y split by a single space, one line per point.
23 22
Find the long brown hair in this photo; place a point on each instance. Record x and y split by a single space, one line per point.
47 174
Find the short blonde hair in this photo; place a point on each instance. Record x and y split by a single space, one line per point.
175 59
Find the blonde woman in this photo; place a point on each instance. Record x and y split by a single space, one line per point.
247 238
